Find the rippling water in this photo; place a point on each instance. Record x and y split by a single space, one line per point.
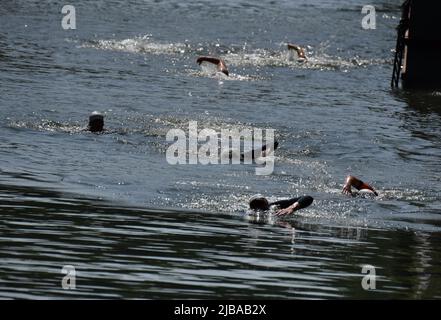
135 226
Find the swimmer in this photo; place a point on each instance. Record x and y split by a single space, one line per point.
221 66
255 153
361 186
260 152
96 122
284 207
300 52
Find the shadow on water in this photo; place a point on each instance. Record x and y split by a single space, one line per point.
123 252
421 118
421 106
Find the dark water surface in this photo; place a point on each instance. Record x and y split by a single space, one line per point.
135 226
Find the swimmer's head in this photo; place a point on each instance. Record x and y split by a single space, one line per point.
258 202
96 122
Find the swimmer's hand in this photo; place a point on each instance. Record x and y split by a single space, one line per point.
288 210
347 190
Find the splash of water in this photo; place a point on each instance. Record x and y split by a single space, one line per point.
142 44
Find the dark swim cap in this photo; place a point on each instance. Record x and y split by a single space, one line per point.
94 116
96 122
258 202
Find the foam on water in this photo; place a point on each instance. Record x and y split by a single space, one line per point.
317 59
48 125
221 77
241 57
142 44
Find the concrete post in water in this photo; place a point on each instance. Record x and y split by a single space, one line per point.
418 51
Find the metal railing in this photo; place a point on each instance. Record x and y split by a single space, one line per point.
403 26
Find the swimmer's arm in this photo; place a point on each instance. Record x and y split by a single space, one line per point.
293 47
292 205
260 152
298 49
352 181
282 204
208 59
219 62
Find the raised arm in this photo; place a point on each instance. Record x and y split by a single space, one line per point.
352 181
221 66
208 59
298 49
